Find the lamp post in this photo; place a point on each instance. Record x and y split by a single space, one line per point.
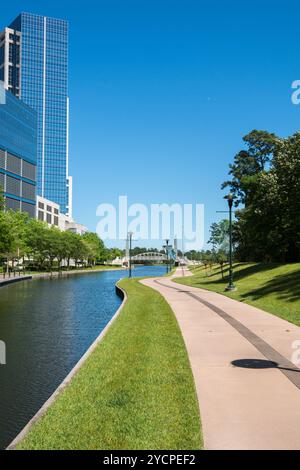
166 246
130 247
231 286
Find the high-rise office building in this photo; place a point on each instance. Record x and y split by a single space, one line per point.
34 67
18 139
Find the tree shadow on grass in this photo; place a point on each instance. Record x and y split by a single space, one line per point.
241 273
285 287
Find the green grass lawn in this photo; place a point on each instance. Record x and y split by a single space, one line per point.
271 287
135 391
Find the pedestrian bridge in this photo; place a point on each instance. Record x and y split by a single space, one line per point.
149 256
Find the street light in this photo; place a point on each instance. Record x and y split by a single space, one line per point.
130 246
231 286
166 246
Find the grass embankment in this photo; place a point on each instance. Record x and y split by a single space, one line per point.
271 287
135 391
100 267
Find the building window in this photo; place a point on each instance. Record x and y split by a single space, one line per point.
49 209
2 159
48 218
55 211
13 186
41 215
29 208
12 204
55 220
10 54
29 171
13 164
10 76
41 205
2 181
28 191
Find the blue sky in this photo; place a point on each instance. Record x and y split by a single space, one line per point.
162 92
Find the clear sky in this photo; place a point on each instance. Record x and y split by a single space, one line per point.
162 92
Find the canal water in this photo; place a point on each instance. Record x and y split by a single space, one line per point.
47 326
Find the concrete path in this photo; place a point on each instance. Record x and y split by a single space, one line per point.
241 357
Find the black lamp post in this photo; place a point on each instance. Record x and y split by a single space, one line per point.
231 286
130 248
166 246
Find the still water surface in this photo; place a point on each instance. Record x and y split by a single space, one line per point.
47 326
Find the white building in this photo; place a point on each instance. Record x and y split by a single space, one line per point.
49 212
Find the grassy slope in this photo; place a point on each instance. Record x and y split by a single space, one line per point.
135 391
271 287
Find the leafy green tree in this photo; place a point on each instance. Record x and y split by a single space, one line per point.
219 236
12 235
2 200
70 246
53 245
114 253
249 163
96 248
36 241
283 185
6 235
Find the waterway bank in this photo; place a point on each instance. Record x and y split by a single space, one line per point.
135 391
47 326
54 274
19 438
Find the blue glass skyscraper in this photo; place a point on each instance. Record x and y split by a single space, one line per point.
34 67
17 153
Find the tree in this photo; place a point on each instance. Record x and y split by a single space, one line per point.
284 183
69 243
114 253
222 258
2 200
219 236
6 235
36 241
261 146
53 248
96 248
268 226
249 163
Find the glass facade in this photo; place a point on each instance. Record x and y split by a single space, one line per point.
43 85
18 154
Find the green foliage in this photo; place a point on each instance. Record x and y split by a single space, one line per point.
219 236
97 252
2 200
114 253
42 246
267 228
249 163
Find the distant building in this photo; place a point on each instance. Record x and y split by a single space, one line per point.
74 227
34 67
18 153
49 212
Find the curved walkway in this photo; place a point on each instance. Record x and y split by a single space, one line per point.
248 388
